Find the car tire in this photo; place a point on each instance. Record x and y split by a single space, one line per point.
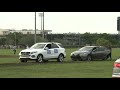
89 58
79 59
60 58
73 59
45 60
40 58
105 58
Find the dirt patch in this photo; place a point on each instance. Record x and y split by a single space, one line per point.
8 56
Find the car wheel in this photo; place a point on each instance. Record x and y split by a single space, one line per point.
79 59
60 58
45 60
89 58
106 57
73 59
40 58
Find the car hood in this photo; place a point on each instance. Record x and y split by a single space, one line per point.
31 50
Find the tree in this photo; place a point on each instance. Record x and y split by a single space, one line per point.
103 42
2 41
29 40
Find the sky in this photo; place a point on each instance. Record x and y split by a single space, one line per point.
62 22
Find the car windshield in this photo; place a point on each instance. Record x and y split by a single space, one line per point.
61 45
37 46
85 48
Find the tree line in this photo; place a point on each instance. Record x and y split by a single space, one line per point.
67 39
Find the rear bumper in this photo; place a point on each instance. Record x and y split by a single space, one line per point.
115 76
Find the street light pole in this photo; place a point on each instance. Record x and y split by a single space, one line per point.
41 15
35 28
41 21
43 27
15 38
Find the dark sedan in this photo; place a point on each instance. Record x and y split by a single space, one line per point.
90 53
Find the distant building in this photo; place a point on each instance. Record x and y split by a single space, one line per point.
23 31
3 31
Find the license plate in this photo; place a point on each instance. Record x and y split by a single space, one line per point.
24 56
116 70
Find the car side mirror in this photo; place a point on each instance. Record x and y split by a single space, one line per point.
46 48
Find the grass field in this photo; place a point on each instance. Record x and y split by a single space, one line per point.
11 67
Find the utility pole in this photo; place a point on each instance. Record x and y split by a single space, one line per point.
15 38
42 23
43 27
35 28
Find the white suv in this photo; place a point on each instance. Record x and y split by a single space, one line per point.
41 52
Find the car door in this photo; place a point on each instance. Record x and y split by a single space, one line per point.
104 52
55 50
101 53
48 54
96 53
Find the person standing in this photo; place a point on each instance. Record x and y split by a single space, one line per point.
110 55
14 49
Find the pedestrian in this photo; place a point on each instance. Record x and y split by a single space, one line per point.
27 46
14 49
110 52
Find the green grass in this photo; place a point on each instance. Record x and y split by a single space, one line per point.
13 68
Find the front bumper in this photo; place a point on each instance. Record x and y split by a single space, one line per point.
32 56
78 57
75 56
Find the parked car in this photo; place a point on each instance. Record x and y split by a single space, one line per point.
41 52
90 53
116 69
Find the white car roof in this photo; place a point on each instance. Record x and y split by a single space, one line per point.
48 43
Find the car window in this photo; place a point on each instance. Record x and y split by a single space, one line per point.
85 48
54 46
100 49
49 46
97 49
61 45
37 46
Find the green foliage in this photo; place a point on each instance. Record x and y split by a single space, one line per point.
70 39
103 42
2 41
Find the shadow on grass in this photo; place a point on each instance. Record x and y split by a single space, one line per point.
9 56
29 63
16 64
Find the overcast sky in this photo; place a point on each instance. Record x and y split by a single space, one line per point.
62 22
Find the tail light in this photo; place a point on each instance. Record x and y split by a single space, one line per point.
117 65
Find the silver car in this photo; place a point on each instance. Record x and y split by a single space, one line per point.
116 69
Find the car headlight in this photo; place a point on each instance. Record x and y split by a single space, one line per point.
74 54
33 52
20 53
84 54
